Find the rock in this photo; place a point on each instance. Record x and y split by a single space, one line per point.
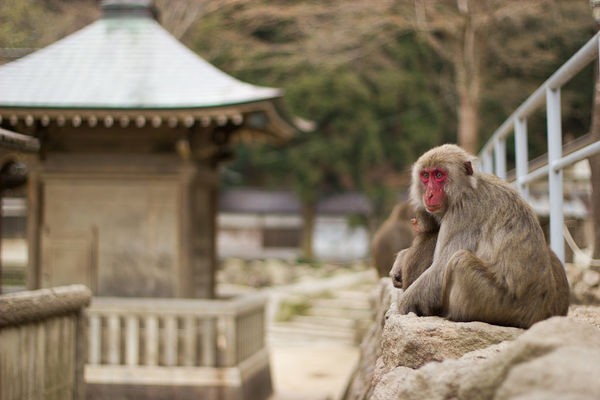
591 278
556 358
409 342
588 314
435 380
413 341
585 284
548 358
370 349
412 357
574 376
279 272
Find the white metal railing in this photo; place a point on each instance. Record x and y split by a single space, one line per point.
493 153
136 332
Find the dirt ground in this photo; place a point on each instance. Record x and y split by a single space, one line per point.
316 372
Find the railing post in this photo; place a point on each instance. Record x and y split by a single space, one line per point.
132 340
521 155
486 162
555 182
95 340
114 340
209 344
151 340
190 335
231 348
500 158
170 341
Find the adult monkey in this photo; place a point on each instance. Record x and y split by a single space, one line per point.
491 262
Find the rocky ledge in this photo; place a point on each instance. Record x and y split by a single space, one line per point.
409 357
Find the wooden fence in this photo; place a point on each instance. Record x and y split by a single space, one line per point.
157 345
42 344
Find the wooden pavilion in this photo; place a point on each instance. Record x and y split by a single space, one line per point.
122 197
123 193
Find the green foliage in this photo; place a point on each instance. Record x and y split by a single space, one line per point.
288 309
378 93
377 113
18 23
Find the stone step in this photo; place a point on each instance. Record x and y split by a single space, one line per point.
355 293
337 322
357 314
341 303
310 327
297 331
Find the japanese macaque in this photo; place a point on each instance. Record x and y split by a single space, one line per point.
491 262
392 236
410 263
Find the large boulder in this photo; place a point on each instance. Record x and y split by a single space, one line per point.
361 382
412 341
554 359
412 357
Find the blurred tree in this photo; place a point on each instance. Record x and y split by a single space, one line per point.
472 36
34 24
385 81
382 80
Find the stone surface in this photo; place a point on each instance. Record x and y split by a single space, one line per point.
370 350
556 358
413 341
435 380
432 358
546 358
585 284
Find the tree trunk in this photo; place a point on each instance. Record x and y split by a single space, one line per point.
467 63
309 212
595 169
468 122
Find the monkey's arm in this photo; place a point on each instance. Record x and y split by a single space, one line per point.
424 296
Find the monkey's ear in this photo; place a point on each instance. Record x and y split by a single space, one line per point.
468 168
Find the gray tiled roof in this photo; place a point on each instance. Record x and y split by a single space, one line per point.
121 62
262 201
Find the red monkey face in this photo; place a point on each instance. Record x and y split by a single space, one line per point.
433 180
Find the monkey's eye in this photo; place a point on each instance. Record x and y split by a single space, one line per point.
439 175
424 176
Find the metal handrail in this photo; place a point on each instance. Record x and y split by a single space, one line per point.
493 153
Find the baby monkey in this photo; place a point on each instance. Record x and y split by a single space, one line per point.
410 263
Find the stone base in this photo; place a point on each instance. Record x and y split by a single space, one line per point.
250 380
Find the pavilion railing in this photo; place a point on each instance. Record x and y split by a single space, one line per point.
166 341
493 153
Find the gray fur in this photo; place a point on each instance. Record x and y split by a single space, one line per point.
491 262
410 263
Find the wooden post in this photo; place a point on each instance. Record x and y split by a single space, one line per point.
170 341
190 333
132 341
114 340
95 340
151 340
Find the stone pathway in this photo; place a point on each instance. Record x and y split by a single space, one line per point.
314 353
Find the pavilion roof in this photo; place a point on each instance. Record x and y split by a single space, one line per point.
121 61
125 61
